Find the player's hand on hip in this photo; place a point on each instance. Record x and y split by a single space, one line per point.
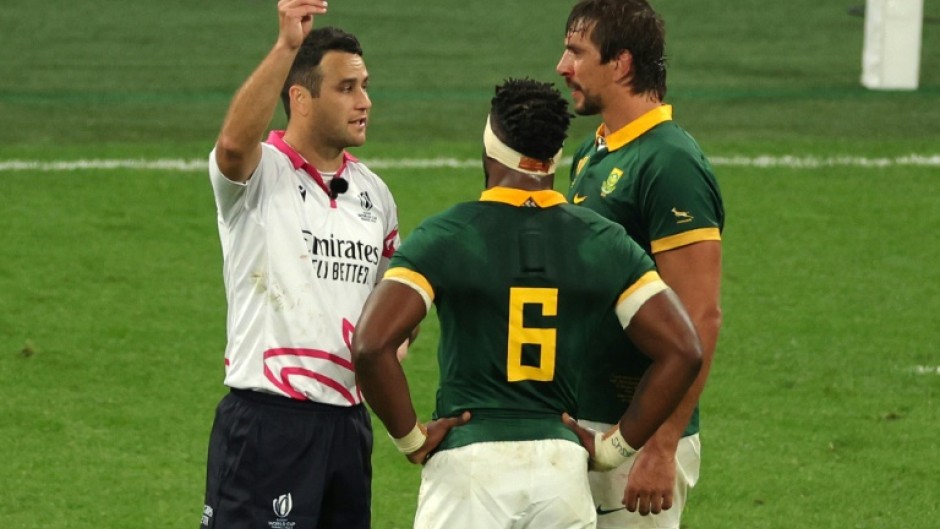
651 482
585 435
296 19
437 431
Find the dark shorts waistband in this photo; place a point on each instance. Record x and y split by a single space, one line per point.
294 404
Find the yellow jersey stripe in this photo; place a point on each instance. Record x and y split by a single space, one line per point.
684 239
647 278
639 293
414 280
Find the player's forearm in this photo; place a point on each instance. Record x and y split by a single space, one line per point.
392 312
385 389
658 394
668 435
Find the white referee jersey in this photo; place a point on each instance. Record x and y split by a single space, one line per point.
298 267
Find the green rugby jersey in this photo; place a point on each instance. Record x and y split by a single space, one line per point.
521 281
652 178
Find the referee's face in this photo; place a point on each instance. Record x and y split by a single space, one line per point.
341 111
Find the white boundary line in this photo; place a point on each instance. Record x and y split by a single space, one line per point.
760 162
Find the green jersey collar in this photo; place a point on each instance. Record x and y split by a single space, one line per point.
517 197
635 128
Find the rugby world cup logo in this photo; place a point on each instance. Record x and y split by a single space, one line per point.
282 505
365 201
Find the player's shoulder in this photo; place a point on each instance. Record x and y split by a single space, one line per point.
592 221
600 235
455 217
669 152
669 139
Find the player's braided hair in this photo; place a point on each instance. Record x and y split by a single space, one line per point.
531 117
631 25
305 71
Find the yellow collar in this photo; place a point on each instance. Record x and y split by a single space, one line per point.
635 128
518 197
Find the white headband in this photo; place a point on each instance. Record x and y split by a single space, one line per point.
513 159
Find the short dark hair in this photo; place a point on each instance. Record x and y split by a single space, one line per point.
626 25
531 116
305 70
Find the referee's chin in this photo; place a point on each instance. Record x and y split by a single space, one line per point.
356 137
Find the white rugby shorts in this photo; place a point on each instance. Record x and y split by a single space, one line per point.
607 488
520 484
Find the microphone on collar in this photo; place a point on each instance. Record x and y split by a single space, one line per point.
338 186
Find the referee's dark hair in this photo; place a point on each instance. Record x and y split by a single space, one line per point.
305 71
531 117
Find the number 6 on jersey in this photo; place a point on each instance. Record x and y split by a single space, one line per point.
520 335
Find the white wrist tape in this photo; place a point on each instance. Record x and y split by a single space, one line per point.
412 441
611 449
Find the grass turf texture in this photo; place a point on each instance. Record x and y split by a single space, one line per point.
111 300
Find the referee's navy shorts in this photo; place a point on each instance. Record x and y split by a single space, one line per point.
278 463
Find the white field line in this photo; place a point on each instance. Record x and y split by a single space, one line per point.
812 162
759 162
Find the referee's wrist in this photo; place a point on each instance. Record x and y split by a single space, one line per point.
412 441
611 450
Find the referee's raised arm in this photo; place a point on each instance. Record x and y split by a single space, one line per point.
238 148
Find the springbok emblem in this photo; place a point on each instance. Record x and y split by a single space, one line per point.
682 216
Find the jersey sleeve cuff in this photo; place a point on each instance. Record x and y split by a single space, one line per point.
684 239
414 280
639 293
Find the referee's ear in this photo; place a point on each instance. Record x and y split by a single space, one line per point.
299 102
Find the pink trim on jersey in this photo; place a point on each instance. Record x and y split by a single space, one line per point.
348 330
309 353
276 138
282 382
389 248
323 379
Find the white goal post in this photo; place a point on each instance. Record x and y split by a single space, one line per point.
891 52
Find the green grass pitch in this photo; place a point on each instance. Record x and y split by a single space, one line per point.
822 410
